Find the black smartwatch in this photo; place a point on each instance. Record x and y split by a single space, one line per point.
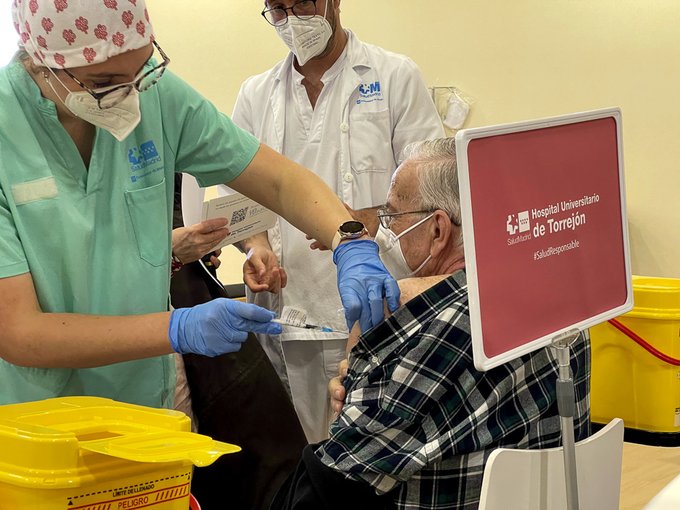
349 230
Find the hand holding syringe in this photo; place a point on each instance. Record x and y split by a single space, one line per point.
297 318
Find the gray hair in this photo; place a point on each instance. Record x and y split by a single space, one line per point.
437 176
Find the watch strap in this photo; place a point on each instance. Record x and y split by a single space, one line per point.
336 241
347 236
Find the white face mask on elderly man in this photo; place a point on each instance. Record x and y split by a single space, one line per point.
119 120
390 251
306 38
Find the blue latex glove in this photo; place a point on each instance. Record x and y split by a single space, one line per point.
363 282
218 326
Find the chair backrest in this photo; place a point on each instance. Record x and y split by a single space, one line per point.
534 479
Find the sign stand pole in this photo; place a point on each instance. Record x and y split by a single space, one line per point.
565 404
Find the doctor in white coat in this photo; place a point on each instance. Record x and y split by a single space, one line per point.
346 110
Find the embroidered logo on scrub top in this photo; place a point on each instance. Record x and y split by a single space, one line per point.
141 157
369 92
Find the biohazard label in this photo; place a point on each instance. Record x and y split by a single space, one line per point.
146 494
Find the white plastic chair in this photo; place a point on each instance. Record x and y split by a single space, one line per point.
534 479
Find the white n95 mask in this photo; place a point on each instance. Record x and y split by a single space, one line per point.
306 38
390 251
119 120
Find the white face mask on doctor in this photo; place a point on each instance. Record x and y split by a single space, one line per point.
306 37
391 254
119 120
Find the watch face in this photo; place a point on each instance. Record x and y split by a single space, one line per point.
351 227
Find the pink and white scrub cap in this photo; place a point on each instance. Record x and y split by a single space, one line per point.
76 33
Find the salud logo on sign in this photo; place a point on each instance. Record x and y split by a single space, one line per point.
518 223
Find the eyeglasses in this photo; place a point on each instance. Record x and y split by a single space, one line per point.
385 217
278 16
108 97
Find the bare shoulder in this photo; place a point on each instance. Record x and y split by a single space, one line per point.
411 287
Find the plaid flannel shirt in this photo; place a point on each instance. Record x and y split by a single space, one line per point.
420 420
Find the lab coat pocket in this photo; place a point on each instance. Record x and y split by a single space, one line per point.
149 216
370 142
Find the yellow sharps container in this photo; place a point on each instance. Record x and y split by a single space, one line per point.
641 384
87 453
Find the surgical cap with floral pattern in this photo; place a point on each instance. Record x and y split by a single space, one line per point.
76 33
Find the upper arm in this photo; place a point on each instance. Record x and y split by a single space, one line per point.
385 414
408 288
15 312
428 369
416 117
23 297
16 284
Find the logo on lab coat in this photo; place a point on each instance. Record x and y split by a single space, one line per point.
369 92
144 155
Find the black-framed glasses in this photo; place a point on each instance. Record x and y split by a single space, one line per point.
108 97
278 16
385 217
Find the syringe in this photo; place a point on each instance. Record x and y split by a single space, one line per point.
315 327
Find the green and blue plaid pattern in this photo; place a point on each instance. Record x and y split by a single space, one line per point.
419 420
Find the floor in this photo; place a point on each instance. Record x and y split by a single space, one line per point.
646 470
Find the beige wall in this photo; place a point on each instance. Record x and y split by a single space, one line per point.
518 59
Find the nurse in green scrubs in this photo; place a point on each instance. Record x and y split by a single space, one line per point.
92 130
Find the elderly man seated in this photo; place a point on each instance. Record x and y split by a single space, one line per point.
419 421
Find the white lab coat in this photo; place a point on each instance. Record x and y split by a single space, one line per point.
385 105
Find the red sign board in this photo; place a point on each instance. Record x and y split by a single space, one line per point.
546 242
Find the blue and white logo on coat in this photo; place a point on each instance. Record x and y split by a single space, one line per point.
369 92
141 157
